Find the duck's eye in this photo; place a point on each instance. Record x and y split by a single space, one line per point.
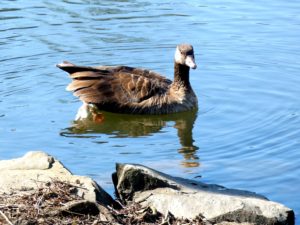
191 52
183 53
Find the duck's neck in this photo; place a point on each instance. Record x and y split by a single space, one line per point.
181 75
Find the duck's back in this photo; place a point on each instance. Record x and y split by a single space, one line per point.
116 88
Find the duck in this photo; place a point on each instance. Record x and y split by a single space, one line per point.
130 90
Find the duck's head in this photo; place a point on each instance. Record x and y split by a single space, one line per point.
184 55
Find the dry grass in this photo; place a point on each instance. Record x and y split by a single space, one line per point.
58 202
43 205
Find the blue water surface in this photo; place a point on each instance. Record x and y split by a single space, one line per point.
246 132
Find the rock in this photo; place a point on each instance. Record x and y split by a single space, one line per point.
187 199
34 169
30 161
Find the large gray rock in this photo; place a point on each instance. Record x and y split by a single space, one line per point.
189 199
35 169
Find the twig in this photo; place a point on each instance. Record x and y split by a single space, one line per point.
144 199
113 210
7 220
39 203
2 206
55 181
75 213
123 206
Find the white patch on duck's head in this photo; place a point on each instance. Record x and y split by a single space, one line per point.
184 55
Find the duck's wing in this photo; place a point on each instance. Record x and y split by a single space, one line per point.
114 85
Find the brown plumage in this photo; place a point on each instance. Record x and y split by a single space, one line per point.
130 90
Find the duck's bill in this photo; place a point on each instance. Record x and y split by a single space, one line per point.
190 62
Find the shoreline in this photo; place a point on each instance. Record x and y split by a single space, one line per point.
39 189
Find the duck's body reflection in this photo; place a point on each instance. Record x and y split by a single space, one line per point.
122 126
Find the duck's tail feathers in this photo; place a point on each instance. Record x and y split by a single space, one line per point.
72 68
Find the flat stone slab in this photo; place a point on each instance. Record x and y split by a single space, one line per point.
36 168
188 199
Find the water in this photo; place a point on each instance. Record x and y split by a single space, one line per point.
246 131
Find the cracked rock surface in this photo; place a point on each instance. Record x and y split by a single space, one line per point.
189 199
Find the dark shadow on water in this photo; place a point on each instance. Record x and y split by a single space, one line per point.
131 126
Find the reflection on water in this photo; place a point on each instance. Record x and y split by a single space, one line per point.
123 126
